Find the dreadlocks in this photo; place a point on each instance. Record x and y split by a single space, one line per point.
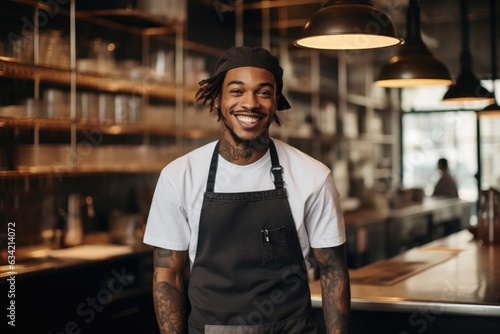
211 88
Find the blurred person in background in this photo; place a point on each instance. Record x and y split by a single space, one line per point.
446 185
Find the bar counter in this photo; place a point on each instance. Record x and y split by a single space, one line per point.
456 278
379 234
96 288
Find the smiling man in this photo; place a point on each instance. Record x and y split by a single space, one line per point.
245 213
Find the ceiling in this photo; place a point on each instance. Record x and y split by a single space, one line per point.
440 25
441 30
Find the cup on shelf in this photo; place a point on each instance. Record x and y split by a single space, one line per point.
87 104
121 108
57 103
134 109
35 107
22 48
174 10
163 64
127 109
54 50
105 107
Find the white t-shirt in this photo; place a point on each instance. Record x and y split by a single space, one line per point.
174 215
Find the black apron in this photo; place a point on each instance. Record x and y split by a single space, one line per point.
249 274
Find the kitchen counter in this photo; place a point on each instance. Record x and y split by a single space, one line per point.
453 277
378 234
94 288
39 260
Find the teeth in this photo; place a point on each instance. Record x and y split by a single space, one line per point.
247 119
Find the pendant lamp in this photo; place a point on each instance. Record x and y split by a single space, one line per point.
493 108
467 86
414 65
348 25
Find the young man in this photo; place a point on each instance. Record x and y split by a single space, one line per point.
247 212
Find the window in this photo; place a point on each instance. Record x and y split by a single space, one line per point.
432 129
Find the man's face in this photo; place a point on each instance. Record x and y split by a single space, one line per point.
248 102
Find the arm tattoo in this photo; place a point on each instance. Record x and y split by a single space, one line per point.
168 290
169 303
335 288
162 257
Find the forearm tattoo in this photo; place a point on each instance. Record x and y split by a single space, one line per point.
169 307
168 292
336 296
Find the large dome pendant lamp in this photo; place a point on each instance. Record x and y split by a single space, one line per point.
414 65
467 86
348 25
494 108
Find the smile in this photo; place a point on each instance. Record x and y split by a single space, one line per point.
247 119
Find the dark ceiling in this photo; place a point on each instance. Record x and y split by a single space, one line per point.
440 23
441 30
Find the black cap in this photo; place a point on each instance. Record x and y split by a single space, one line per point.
242 56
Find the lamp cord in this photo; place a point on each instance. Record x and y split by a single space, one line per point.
465 55
493 43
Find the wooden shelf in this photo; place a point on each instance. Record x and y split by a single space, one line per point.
111 84
132 20
47 171
64 124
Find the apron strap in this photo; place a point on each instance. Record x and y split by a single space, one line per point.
213 169
276 168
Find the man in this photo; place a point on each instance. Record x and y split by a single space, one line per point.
246 211
446 185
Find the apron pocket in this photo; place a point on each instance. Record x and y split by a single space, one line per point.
274 246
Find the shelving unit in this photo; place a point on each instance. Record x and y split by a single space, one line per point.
146 87
98 82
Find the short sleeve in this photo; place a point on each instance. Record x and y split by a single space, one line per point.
324 219
167 225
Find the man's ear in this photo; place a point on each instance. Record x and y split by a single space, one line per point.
217 100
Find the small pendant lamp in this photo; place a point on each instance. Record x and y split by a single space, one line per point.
348 25
467 86
493 108
414 65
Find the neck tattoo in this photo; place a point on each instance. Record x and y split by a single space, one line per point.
233 153
241 149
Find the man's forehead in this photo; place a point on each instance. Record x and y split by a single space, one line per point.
250 73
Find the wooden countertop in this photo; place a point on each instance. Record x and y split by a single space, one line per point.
429 204
455 275
42 260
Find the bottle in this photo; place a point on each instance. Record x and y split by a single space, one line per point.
488 229
74 228
58 233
